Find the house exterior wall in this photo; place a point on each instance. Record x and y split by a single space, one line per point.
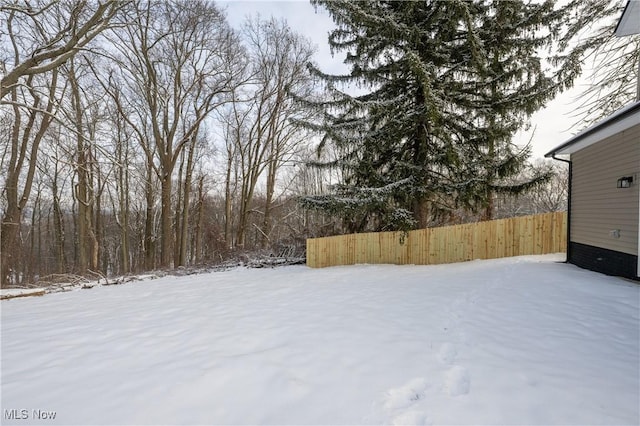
598 208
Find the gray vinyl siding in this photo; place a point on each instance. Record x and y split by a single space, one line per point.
597 206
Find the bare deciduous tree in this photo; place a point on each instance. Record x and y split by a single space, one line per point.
614 61
42 36
30 124
178 60
261 133
549 196
45 34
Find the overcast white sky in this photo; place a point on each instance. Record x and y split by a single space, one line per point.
553 124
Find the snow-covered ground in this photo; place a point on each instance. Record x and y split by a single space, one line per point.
513 341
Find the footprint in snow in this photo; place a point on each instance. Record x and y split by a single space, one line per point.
406 395
447 353
457 381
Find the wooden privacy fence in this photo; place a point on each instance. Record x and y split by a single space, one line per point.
517 236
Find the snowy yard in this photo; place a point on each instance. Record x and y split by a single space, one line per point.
513 341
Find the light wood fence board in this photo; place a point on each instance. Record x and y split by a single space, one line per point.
539 234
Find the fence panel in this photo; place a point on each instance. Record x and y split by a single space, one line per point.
517 236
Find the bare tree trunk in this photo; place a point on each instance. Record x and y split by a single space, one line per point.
185 202
41 266
228 204
166 236
246 196
98 252
489 207
20 140
123 197
177 219
268 204
149 232
34 263
58 224
199 230
87 241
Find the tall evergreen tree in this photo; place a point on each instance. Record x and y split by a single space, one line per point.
516 81
446 85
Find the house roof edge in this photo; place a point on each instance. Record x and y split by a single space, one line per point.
617 116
